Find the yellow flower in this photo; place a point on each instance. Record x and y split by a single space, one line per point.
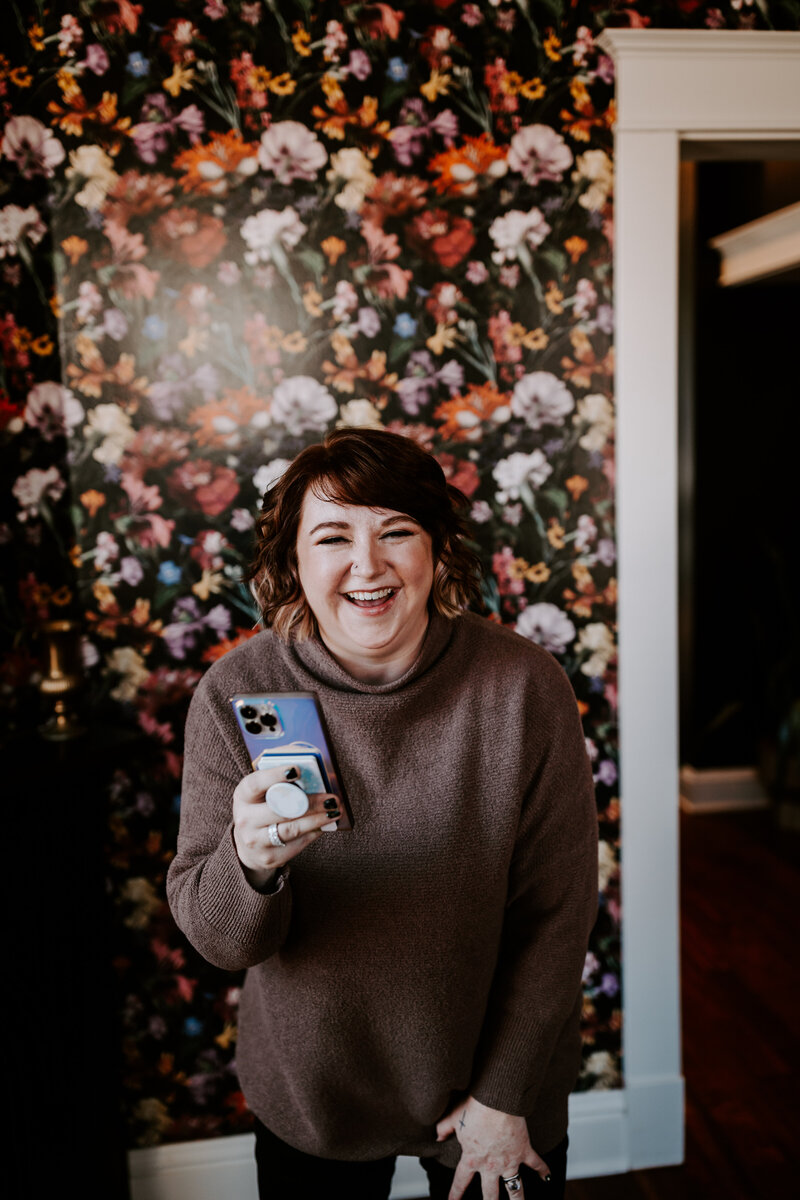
437 85
537 339
42 346
555 534
511 83
294 343
444 339
21 76
196 339
533 89
55 305
35 35
282 85
75 550
538 573
74 247
104 596
209 583
181 80
301 40
552 45
227 1037
517 568
140 613
62 597
311 300
553 297
580 93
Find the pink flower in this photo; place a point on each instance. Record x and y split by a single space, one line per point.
53 410
291 151
538 152
35 488
97 60
31 145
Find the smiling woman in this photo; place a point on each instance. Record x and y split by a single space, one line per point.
414 982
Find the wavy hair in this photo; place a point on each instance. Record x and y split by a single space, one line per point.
376 469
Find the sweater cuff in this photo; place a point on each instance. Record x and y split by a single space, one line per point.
511 1063
231 906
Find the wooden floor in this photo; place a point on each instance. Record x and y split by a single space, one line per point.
740 881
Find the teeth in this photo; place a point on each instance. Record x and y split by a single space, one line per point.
379 595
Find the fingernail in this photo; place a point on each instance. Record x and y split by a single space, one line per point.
548 1178
334 815
291 773
331 827
330 803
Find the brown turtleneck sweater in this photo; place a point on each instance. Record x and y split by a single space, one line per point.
436 949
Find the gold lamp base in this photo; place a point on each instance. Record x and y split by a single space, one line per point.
62 680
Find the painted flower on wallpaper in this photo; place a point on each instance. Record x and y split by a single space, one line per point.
19 227
271 231
538 153
547 625
541 399
516 233
300 405
31 147
53 410
291 151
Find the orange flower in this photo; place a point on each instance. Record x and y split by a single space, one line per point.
463 415
533 89
74 247
333 248
576 485
21 77
219 648
575 247
210 169
460 167
301 40
584 366
552 46
181 80
220 421
553 297
555 534
538 573
71 119
43 346
437 85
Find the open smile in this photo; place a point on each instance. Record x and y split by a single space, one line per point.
377 600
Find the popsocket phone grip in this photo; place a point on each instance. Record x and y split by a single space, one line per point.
287 799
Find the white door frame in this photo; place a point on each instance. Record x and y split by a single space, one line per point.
672 88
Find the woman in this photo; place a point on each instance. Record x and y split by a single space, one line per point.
413 984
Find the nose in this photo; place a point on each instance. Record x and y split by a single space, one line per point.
367 559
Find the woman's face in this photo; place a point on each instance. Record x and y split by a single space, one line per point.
367 575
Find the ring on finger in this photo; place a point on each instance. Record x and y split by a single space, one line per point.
513 1182
274 837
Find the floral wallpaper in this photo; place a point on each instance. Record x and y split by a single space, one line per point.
226 226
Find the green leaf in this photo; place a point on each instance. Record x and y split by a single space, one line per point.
313 261
558 498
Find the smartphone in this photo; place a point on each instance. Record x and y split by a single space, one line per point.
285 729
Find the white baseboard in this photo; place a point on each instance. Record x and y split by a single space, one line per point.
721 790
610 1132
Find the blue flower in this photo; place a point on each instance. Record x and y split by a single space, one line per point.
397 70
137 64
405 326
153 327
192 1027
169 572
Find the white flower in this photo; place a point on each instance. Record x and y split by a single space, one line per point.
97 168
353 166
130 665
31 145
17 223
541 399
110 423
32 490
359 414
53 409
268 474
518 470
606 864
291 151
270 228
547 625
538 152
300 403
345 300
602 1065
90 301
106 550
515 231
597 641
597 412
585 533
596 166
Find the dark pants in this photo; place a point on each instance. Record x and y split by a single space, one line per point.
288 1174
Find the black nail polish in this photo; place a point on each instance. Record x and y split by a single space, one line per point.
330 803
292 773
333 816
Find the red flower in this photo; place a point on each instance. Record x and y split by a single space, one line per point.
461 472
204 486
440 237
188 236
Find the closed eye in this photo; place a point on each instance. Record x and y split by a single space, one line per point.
333 540
398 533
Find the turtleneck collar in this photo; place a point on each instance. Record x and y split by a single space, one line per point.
315 656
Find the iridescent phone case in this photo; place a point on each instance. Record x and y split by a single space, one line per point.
288 727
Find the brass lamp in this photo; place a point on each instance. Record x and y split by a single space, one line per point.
62 679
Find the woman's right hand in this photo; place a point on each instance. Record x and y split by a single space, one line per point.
252 818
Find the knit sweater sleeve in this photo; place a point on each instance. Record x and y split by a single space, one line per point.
226 920
550 910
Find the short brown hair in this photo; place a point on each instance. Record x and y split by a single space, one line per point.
376 469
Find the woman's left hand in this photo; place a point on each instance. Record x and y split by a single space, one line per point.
493 1144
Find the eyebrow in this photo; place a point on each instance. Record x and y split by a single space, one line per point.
346 524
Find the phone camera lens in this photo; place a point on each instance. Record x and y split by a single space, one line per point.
248 712
253 727
269 721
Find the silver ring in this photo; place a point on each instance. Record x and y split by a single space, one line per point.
513 1183
274 836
